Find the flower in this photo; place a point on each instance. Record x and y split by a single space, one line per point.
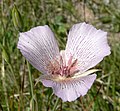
68 71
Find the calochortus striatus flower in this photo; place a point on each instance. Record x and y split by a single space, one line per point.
68 71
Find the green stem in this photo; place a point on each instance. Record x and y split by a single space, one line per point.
31 85
4 84
56 103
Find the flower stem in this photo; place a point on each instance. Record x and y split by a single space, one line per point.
31 85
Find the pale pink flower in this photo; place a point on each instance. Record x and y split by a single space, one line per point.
67 71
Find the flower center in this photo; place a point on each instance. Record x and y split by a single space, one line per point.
60 67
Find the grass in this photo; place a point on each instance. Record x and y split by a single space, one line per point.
18 91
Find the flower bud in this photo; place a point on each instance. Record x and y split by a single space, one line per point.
17 20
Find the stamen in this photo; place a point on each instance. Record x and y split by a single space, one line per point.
70 60
61 61
73 64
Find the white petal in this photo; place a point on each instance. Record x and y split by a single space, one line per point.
87 44
39 47
72 89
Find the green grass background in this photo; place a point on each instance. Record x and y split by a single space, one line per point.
18 91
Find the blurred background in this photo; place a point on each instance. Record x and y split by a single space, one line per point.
18 91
